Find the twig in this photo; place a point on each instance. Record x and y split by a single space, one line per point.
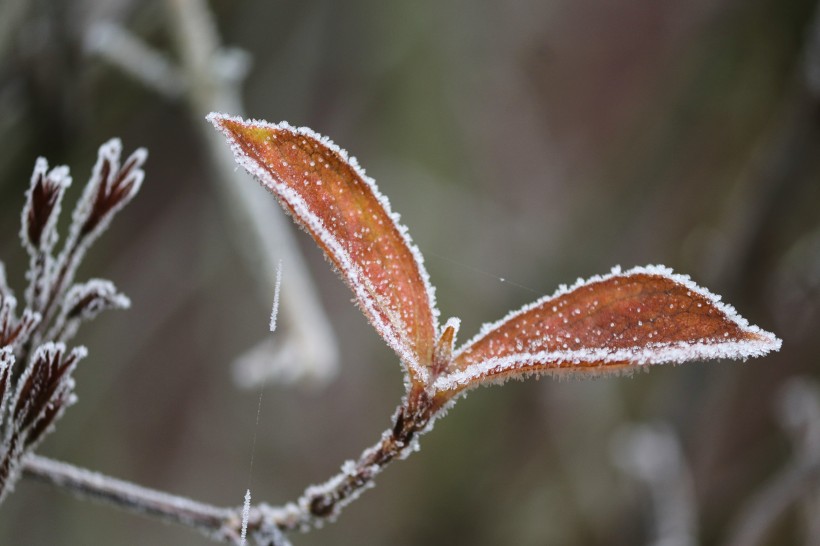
213 84
209 79
265 524
127 52
128 496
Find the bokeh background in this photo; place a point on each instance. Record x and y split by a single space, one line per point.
526 143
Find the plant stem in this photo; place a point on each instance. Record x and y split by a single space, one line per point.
128 496
265 523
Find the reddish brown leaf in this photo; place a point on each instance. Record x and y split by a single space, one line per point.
331 197
43 207
607 324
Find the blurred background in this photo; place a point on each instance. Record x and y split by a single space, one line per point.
526 144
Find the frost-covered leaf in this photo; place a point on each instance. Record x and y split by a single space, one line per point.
38 230
44 390
606 324
332 198
646 315
15 332
6 363
89 299
85 301
42 207
109 189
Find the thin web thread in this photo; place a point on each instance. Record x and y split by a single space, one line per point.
483 272
246 507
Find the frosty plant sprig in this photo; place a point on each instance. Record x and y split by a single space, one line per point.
613 323
36 367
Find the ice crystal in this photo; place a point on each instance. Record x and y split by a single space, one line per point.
275 309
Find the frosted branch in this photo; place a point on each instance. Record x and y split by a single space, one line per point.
307 352
262 523
206 518
208 77
122 49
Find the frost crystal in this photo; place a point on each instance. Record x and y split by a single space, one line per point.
246 512
275 310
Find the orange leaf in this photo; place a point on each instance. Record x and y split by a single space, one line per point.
617 322
607 324
332 198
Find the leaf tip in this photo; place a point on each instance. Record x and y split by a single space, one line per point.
216 118
226 122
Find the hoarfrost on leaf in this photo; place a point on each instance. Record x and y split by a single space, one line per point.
83 302
352 222
246 512
42 208
110 188
610 323
619 321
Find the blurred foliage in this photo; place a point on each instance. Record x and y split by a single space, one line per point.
525 143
